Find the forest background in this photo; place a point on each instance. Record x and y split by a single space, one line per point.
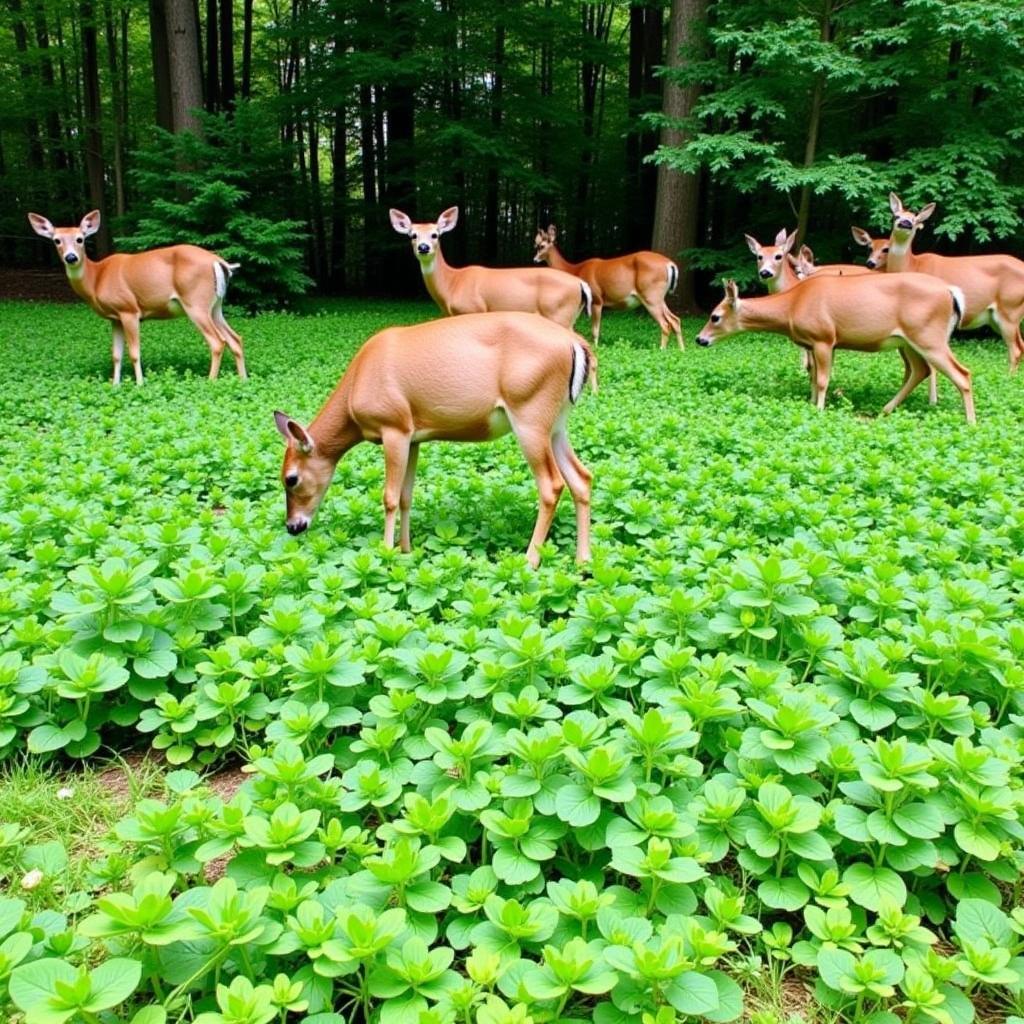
280 131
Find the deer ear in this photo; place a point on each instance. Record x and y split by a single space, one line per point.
894 204
400 222
448 220
753 244
90 223
294 432
552 232
860 236
732 293
925 213
780 237
788 241
40 225
807 253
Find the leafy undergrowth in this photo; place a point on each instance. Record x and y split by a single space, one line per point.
772 739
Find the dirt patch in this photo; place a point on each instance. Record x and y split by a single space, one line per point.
117 778
35 285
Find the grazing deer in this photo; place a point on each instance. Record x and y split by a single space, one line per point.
993 286
624 282
155 285
473 378
869 313
878 255
457 290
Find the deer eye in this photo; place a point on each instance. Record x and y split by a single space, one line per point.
56 241
715 318
433 234
778 256
78 240
291 479
885 248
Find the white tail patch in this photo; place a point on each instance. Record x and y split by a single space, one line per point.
959 306
673 277
221 275
580 369
588 296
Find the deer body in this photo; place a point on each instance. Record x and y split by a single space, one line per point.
459 290
624 282
127 288
870 313
472 378
993 286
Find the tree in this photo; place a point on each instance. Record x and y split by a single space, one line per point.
184 71
676 215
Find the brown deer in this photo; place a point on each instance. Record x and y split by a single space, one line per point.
127 288
623 282
472 378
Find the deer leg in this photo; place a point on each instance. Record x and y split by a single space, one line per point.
396 457
595 320
578 478
231 337
676 326
916 368
203 322
117 350
130 326
822 372
1009 329
943 360
536 448
405 499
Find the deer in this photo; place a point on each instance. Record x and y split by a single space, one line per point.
804 265
458 290
870 313
780 271
623 282
878 248
471 378
993 286
159 284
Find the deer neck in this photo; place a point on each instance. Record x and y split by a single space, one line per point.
765 313
82 278
557 261
334 431
438 277
901 254
784 280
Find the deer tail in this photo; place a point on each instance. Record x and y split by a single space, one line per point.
673 278
587 296
584 368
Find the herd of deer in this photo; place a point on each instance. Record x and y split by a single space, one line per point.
511 361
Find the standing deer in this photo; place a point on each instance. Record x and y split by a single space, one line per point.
156 285
870 313
993 286
472 378
457 290
641 278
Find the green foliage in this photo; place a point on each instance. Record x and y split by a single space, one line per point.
224 191
775 732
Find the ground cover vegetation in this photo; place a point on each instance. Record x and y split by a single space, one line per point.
769 744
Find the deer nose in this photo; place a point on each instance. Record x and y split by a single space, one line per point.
71 258
704 342
423 248
870 264
765 274
297 525
906 223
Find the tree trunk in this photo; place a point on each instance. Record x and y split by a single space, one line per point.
339 201
491 205
212 59
94 163
119 120
645 54
227 54
160 50
186 80
813 127
399 180
29 93
246 48
675 210
596 24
